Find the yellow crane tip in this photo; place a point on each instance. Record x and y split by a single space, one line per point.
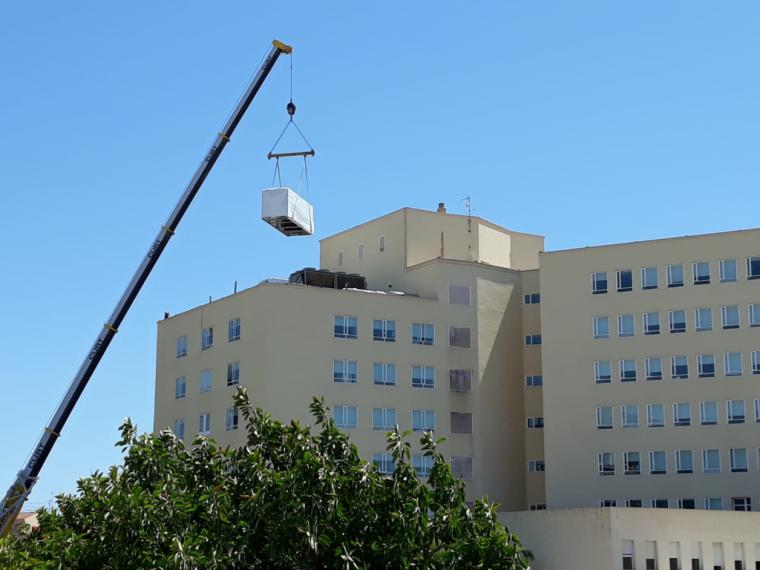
284 48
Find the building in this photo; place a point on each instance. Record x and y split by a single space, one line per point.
564 379
645 539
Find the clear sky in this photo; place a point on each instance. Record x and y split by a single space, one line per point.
588 122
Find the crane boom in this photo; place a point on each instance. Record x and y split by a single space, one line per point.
27 477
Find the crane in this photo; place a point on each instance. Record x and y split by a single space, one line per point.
21 488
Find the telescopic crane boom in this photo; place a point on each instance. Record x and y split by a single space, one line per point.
27 477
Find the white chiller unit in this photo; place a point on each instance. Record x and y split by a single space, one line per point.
287 211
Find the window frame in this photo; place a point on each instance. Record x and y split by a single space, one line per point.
207 338
181 346
680 469
453 336
627 422
703 406
731 417
701 365
672 281
699 326
675 327
385 414
623 373
381 243
345 408
678 420
345 376
732 454
179 433
753 315
722 272
627 463
674 374
595 281
605 469
658 453
699 279
384 366
727 364
724 312
600 417
387 330
344 324
648 328
629 318
755 361
751 267
645 272
531 381
382 461
650 408
233 330
598 378
204 423
180 381
621 288
422 339
233 373
425 381
647 368
232 419
203 387
706 453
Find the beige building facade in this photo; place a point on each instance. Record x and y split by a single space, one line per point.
472 330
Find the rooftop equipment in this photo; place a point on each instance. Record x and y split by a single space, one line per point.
328 279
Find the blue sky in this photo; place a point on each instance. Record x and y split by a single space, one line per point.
588 122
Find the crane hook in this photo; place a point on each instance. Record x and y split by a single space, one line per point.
291 107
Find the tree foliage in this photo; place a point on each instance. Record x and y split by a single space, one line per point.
289 499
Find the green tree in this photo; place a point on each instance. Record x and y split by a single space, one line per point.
288 499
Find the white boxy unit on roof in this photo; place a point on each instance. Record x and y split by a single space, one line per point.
285 210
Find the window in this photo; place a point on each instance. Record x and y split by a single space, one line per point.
461 467
381 244
626 326
384 330
535 380
233 374
537 507
703 318
682 414
461 422
708 413
423 377
384 463
232 419
181 346
459 337
459 295
711 460
423 464
675 275
757 416
423 333
460 380
536 422
652 323
658 462
655 415
207 338
233 330
204 424
684 461
627 370
340 258
383 418
601 327
677 321
606 463
660 504
632 462
345 327
180 388
602 371
609 503
532 298
654 368
728 271
536 465
345 371
384 373
735 411
706 364
714 504
732 364
679 367
179 428
634 503
624 280
532 339
754 315
701 273
599 283
686 504
729 315
753 268
756 362
604 417
630 415
738 460
649 278
206 379
360 251
345 417
741 503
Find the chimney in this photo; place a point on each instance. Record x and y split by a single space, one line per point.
441 208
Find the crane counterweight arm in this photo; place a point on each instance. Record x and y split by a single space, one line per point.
19 491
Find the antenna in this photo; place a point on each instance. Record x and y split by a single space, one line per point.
468 204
